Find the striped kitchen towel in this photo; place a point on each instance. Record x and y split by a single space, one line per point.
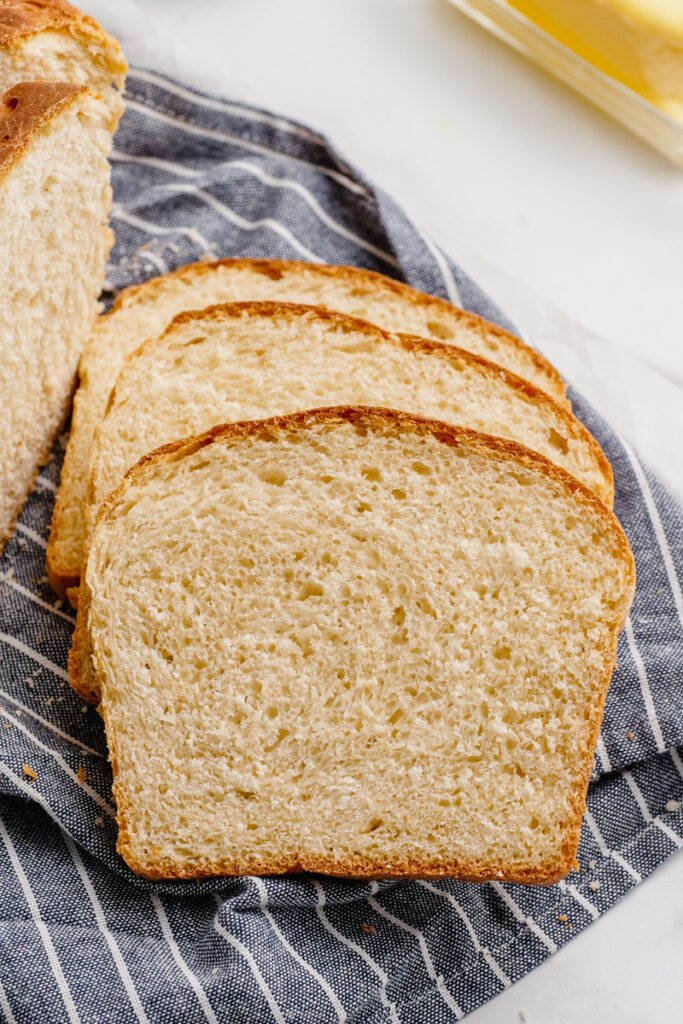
81 938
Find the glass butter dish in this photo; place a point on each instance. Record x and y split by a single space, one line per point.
626 56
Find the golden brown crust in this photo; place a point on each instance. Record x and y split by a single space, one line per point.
276 268
24 110
466 871
20 19
365 418
376 416
443 350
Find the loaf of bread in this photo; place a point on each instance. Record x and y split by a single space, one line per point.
51 41
355 642
254 360
144 311
54 201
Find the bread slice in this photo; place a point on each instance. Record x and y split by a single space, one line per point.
144 311
54 202
356 642
51 41
254 360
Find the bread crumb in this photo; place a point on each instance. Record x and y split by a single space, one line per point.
85 708
594 886
592 864
27 770
81 773
6 725
672 805
29 682
99 821
629 735
563 919
367 928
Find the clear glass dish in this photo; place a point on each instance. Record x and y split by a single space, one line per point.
657 128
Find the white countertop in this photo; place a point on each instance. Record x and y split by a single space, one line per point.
492 157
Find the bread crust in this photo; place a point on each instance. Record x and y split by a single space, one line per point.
63 574
414 343
365 418
21 19
357 275
25 110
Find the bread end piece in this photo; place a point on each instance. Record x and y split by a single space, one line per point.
53 41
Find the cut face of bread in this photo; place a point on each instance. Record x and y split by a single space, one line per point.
253 360
143 312
54 202
355 642
51 41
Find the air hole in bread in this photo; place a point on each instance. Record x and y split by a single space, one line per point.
439 331
273 475
558 441
424 605
398 616
373 825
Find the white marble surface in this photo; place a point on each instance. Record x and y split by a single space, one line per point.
493 158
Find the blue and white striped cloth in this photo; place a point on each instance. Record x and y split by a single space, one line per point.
81 938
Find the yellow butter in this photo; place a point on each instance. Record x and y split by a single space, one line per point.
638 42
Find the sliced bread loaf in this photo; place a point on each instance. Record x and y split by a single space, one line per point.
253 360
142 312
355 642
51 41
54 201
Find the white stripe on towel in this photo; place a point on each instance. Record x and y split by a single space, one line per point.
240 143
372 964
268 179
657 527
180 963
41 926
645 687
523 919
102 925
422 942
246 953
263 901
486 953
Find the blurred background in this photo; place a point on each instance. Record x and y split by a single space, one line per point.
494 157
